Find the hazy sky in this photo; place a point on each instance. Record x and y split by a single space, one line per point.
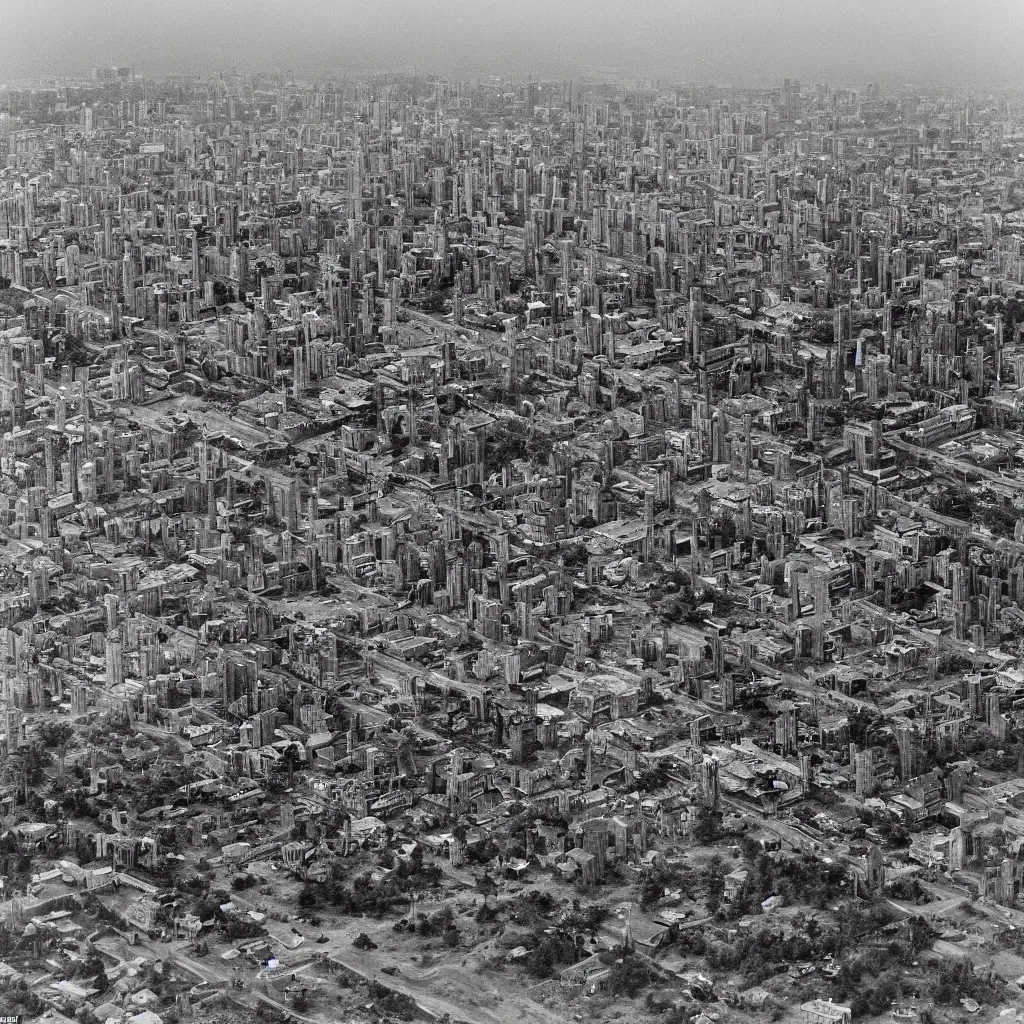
972 42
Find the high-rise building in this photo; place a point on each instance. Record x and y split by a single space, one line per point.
864 773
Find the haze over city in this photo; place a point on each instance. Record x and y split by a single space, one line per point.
743 42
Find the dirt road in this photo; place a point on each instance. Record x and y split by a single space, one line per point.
445 988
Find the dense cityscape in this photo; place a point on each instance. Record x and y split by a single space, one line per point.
504 549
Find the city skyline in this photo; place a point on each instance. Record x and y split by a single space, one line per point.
523 536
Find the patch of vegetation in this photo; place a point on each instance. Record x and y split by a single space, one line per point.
389 1003
366 896
630 974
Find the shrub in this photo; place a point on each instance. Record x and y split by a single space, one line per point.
630 975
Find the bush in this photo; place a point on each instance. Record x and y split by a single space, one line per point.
956 980
909 890
369 897
437 924
651 890
630 975
549 952
486 913
390 1003
651 779
876 999
575 555
586 919
242 928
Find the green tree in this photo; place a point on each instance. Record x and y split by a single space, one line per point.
585 920
59 736
433 302
956 501
651 779
486 885
94 968
725 528
28 763
630 975
708 826
290 760
714 885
